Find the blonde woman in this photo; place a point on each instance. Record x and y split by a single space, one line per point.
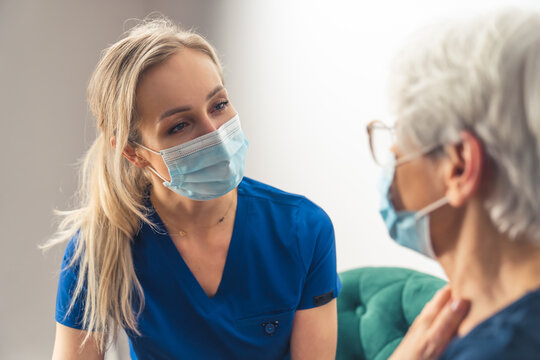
170 242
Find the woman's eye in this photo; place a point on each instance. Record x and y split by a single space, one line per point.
177 128
222 105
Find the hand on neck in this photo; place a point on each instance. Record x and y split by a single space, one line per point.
487 268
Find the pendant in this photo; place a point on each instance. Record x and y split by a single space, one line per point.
182 233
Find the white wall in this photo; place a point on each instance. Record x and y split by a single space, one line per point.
306 76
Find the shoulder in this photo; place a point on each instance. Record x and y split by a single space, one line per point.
69 310
510 334
70 268
291 219
500 347
260 192
70 252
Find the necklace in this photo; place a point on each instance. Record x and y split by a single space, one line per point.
183 233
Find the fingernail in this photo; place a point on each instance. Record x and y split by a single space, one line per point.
458 306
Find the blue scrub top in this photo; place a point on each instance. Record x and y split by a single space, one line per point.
512 333
281 259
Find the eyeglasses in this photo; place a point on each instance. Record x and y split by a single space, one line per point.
381 140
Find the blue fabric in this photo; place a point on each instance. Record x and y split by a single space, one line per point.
512 333
281 257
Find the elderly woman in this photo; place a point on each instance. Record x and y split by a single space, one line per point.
461 182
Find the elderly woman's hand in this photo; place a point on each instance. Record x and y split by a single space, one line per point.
433 329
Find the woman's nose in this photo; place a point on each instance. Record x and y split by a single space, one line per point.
206 125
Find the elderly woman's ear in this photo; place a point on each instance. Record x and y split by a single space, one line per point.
463 169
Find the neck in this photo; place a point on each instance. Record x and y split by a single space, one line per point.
487 268
188 214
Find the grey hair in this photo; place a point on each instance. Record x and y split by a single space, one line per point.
480 75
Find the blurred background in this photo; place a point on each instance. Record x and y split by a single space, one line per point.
305 76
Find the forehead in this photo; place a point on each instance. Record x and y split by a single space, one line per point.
185 78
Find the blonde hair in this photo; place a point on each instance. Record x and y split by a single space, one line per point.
110 202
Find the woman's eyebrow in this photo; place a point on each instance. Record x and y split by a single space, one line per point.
186 108
173 111
214 92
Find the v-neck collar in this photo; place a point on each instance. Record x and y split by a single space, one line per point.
181 270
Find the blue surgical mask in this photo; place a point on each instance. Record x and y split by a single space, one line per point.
407 228
209 166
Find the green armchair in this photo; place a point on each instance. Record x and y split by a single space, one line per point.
376 306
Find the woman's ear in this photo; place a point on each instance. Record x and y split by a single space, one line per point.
463 172
131 155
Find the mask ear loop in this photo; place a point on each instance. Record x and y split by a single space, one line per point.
432 207
427 241
150 167
146 148
157 174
